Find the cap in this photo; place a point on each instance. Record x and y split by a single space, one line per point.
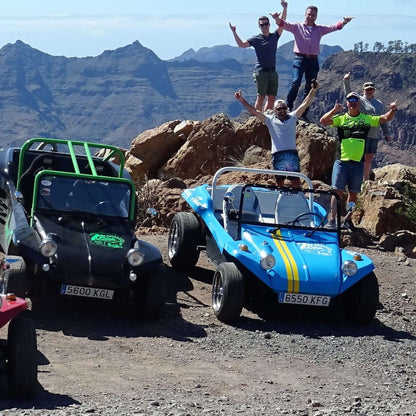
368 85
353 94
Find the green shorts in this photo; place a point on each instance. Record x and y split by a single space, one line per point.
267 82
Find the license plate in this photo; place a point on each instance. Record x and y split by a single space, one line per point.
88 292
302 299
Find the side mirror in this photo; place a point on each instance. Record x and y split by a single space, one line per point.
19 196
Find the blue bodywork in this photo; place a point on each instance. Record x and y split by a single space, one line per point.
308 258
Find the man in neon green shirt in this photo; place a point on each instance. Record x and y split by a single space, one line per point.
353 128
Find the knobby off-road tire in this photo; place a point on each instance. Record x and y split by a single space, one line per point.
227 292
150 293
362 299
185 235
22 367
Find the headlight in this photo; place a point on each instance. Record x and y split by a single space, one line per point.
48 247
349 267
268 261
135 257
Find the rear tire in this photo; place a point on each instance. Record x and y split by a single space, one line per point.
361 300
227 292
22 365
185 235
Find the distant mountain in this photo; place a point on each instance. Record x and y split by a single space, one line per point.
115 96
219 53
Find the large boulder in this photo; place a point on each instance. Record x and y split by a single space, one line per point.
387 205
188 149
152 148
316 150
205 150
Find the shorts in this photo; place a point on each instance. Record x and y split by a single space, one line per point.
287 160
347 174
267 82
371 146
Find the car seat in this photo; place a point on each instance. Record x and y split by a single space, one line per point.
231 208
289 205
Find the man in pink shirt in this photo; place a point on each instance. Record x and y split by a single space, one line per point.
307 47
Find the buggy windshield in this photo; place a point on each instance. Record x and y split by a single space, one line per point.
77 194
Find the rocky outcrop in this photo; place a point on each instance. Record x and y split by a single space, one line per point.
152 149
180 154
190 149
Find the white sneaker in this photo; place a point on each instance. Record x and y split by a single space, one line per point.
331 225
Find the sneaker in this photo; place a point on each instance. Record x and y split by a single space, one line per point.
331 225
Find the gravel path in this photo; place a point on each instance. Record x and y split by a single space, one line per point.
95 360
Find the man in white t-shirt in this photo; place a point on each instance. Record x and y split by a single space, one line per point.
282 128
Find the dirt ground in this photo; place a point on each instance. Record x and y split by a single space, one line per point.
94 359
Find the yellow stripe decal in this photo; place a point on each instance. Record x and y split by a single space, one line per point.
289 262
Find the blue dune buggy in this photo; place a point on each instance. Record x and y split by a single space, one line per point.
271 243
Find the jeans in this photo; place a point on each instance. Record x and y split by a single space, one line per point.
302 65
349 174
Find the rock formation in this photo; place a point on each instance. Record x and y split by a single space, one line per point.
165 160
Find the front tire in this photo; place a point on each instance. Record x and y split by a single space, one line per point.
185 235
150 293
22 365
227 292
361 300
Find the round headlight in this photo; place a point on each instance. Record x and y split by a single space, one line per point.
267 262
349 267
135 257
48 247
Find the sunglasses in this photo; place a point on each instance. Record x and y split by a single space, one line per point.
353 100
280 108
264 24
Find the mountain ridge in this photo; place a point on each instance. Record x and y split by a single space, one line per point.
116 95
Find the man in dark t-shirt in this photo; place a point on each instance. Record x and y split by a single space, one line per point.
265 46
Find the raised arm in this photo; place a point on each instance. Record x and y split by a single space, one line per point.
251 109
308 100
347 84
239 42
390 114
326 119
283 16
278 19
346 20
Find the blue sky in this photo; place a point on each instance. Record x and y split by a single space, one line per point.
89 27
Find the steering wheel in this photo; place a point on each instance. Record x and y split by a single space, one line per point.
305 214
